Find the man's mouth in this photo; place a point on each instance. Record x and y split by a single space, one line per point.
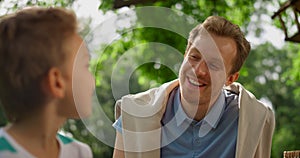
196 83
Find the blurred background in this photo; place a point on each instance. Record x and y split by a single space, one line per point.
111 27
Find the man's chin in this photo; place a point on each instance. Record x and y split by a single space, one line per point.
191 100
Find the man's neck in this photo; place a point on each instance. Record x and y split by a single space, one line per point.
195 112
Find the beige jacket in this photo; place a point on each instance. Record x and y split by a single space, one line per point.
141 115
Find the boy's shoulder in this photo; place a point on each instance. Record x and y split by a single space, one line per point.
72 148
6 147
69 147
65 139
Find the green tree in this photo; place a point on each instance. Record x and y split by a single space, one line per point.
267 73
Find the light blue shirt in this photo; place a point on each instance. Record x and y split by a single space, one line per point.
213 137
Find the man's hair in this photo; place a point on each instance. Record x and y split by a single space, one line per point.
31 42
221 27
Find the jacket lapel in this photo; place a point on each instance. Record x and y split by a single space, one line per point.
252 118
142 114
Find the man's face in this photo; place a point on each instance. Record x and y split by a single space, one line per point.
205 68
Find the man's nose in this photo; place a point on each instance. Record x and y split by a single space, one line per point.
201 68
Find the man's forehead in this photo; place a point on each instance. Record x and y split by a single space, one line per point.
204 44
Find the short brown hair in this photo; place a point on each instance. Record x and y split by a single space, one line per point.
31 42
221 27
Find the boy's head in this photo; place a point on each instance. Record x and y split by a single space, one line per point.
32 41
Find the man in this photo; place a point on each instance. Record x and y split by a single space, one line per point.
204 113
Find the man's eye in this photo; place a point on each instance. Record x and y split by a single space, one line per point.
214 66
194 57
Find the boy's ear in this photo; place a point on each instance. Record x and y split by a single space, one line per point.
54 83
232 78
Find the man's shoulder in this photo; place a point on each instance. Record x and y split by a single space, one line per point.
246 96
145 103
165 88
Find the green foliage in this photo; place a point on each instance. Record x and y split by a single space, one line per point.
237 11
106 5
78 130
283 139
293 75
57 3
269 73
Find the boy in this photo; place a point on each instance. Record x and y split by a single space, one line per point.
38 87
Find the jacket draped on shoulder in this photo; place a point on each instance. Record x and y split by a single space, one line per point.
142 113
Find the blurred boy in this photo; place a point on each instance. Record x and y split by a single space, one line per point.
40 83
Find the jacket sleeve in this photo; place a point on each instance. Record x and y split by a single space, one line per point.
117 109
265 144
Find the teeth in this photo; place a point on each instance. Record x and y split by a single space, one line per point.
195 83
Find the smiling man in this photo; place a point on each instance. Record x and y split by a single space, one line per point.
204 113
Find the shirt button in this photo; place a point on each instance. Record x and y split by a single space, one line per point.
198 141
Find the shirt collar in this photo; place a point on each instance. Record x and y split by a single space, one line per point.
212 118
180 115
215 113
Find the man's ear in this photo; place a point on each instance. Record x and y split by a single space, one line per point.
232 78
54 83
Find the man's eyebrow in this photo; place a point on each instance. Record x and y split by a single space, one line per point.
195 49
215 60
